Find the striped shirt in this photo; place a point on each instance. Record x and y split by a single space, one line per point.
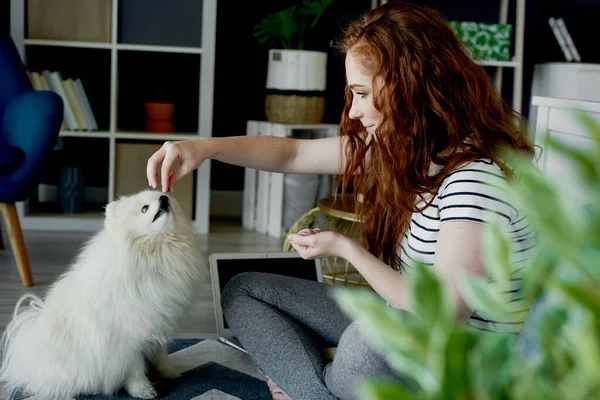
472 193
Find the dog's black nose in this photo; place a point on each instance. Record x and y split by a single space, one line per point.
164 200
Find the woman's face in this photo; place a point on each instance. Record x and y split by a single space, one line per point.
361 84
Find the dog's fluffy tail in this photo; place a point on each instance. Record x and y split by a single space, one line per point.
13 348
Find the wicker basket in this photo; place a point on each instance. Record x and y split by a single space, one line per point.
294 109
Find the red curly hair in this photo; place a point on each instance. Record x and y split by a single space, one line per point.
438 106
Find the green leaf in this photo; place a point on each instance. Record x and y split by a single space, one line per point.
582 336
591 257
396 334
532 384
479 294
372 390
430 302
555 351
497 253
280 26
548 209
314 9
581 293
591 125
581 158
495 361
289 27
457 379
537 272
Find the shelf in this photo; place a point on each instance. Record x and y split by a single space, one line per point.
131 135
119 46
72 20
142 76
50 210
158 22
90 65
66 43
84 134
156 136
161 49
88 221
86 153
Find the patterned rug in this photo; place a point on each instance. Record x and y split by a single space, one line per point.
209 370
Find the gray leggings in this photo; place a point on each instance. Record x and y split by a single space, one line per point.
284 323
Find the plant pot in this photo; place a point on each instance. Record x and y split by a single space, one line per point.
160 111
160 126
159 117
296 83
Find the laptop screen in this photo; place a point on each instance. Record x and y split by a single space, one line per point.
225 266
296 267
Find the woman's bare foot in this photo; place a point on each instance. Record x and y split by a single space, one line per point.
276 391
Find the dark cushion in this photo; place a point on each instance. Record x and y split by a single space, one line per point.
10 158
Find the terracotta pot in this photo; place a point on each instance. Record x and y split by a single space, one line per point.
160 126
160 111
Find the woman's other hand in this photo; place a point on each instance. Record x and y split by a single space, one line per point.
314 243
178 159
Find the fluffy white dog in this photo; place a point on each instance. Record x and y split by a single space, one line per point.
114 310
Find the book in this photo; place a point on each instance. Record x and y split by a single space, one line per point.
82 96
560 39
74 104
54 79
568 39
78 114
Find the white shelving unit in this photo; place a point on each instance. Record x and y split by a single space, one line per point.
94 221
517 59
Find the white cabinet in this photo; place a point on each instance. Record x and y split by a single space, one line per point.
555 118
566 80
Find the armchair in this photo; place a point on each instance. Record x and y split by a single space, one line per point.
30 121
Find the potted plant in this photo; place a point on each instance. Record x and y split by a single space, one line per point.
296 77
159 111
556 355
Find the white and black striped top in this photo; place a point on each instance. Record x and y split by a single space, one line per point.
472 193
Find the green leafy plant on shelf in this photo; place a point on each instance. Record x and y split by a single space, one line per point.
288 28
556 356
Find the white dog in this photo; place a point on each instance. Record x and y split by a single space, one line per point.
113 311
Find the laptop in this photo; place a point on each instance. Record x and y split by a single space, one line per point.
223 266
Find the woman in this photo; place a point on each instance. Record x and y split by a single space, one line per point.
418 132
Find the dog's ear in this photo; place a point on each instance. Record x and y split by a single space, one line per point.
109 213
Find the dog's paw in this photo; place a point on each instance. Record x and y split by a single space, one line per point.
167 371
141 389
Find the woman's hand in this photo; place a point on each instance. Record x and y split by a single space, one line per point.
314 243
183 155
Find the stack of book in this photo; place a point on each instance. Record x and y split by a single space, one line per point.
78 114
564 39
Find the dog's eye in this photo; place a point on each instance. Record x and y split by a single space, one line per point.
145 208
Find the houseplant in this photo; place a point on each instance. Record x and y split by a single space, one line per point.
557 356
296 77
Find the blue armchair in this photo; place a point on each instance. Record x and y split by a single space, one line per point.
30 121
